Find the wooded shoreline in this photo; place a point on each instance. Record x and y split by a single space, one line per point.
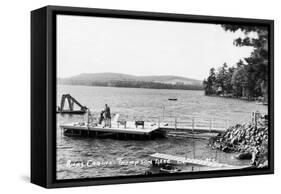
248 78
145 86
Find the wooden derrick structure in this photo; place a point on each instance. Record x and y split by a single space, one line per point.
71 102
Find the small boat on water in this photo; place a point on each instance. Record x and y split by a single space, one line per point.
162 168
172 99
169 169
211 163
164 163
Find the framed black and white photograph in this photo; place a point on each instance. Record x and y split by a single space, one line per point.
126 96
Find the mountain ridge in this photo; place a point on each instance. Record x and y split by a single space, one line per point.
111 79
119 76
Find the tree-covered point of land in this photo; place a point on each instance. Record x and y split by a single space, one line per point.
136 84
248 79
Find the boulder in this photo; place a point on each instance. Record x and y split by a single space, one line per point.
244 156
246 138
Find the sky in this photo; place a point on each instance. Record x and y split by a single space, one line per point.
143 47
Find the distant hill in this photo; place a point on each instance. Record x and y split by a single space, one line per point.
125 80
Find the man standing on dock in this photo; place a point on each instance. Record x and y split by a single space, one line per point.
107 116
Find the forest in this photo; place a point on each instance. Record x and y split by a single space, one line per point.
248 79
136 84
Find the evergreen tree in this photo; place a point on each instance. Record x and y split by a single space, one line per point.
209 84
257 63
248 79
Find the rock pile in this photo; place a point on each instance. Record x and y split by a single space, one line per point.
250 140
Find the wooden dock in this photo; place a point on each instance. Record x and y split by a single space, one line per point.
183 160
130 129
152 125
194 124
201 129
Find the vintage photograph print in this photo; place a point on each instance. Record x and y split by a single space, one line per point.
146 97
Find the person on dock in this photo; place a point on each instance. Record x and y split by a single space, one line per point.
101 118
107 116
107 111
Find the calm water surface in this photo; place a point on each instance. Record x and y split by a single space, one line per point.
136 103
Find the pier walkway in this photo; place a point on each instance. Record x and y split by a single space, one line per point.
151 125
183 160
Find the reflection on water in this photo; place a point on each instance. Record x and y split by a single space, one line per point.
139 102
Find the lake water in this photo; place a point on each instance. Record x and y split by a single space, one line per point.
135 102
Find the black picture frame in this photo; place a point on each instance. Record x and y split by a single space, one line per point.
43 95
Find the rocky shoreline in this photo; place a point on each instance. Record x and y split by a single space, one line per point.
249 140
